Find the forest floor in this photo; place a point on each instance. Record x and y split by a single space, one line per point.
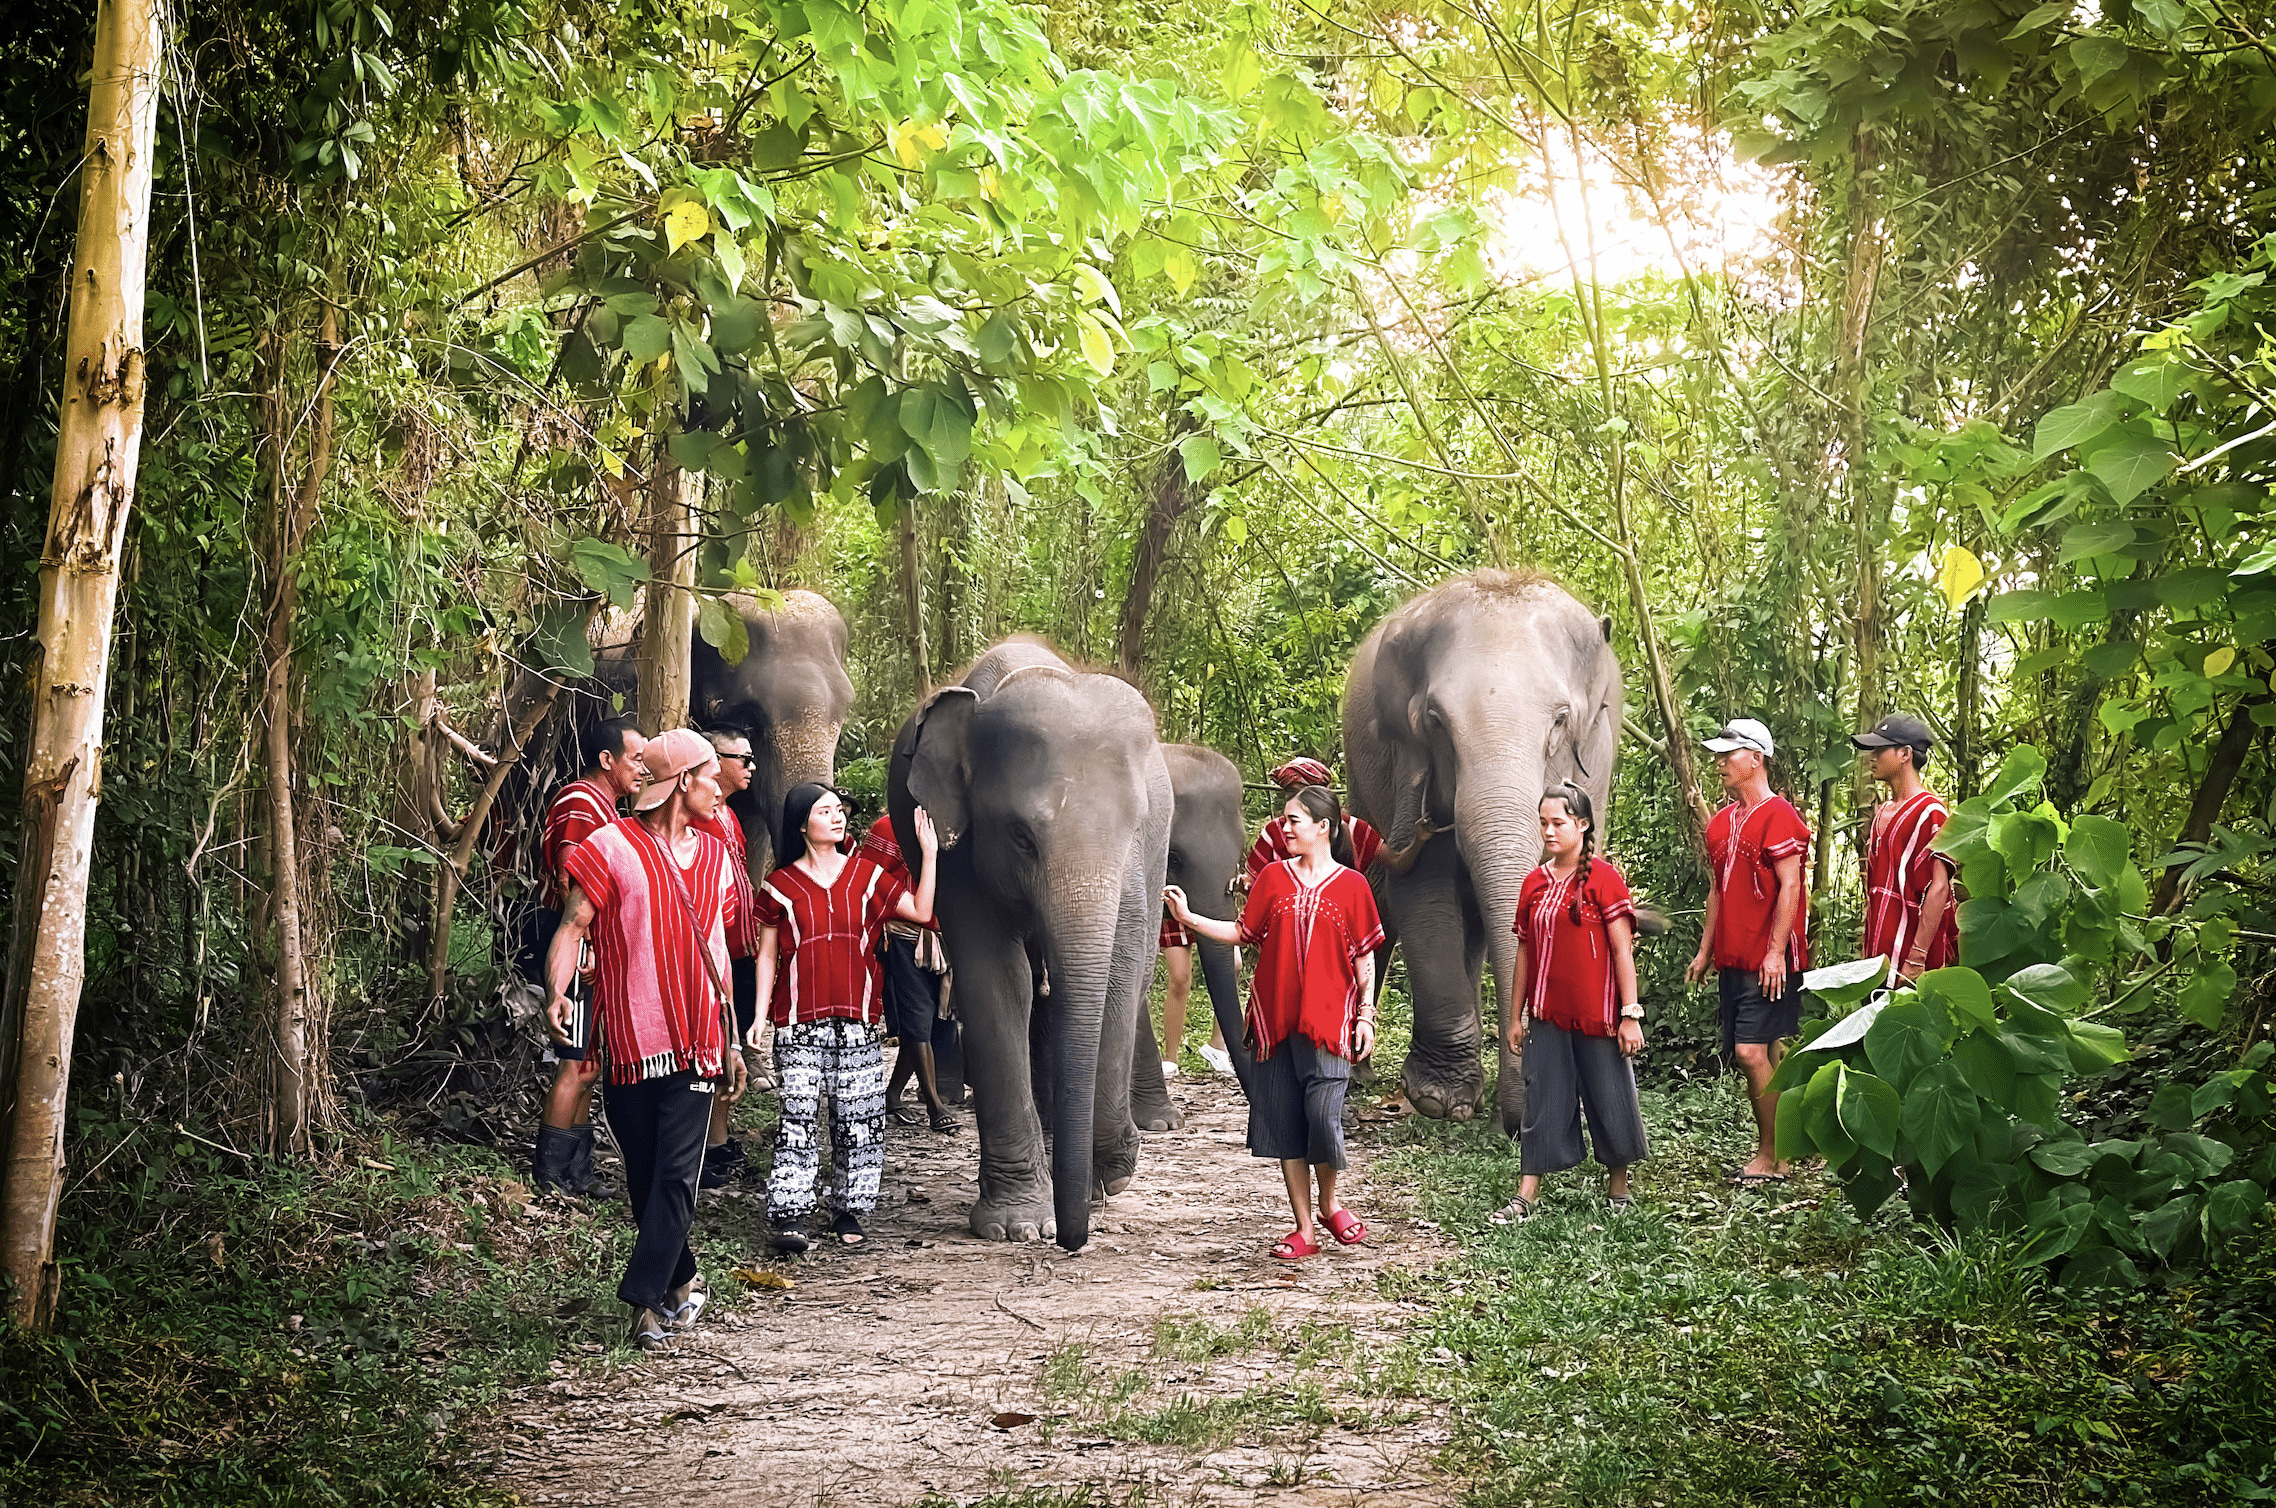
1171 1359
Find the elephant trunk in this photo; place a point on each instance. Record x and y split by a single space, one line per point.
1081 922
1497 818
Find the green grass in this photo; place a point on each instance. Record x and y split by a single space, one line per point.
1719 1347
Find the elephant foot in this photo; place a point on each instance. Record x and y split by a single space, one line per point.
1023 1218
1442 1099
1163 1117
1114 1164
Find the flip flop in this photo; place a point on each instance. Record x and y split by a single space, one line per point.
684 1317
1619 1204
1346 1228
908 1115
943 1122
652 1338
1516 1212
847 1228
1294 1248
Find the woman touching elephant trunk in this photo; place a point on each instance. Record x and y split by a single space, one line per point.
1313 922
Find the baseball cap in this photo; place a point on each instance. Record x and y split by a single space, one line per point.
1895 731
1298 773
1743 733
669 756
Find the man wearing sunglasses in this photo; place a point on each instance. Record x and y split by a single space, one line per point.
723 1156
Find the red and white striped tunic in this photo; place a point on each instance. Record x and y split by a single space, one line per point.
826 941
1568 965
659 1012
1899 863
1309 940
578 810
742 938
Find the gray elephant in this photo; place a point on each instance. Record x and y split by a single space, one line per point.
791 694
1461 708
1053 804
1208 840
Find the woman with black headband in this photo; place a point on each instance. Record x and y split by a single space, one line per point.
1577 1022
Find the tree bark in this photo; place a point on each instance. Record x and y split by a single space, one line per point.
1173 495
97 450
913 602
291 515
453 872
1853 384
2221 769
667 634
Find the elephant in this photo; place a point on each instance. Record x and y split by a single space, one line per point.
1052 801
790 693
1464 705
1208 841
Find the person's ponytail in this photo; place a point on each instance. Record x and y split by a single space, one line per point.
1577 802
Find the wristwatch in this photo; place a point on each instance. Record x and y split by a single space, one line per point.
1632 1011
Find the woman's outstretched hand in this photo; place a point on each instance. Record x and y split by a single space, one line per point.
928 837
1174 898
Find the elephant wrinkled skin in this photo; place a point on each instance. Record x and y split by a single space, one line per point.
1208 842
1466 703
1053 804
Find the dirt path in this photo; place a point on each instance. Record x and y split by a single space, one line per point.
1171 1357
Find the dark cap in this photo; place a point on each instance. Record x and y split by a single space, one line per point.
1894 732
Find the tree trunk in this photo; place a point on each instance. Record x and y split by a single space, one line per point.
2221 768
97 449
453 871
1970 713
1173 495
1853 385
913 602
667 634
291 515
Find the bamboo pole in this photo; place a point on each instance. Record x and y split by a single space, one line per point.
97 449
667 634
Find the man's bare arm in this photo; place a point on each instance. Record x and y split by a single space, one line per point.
561 960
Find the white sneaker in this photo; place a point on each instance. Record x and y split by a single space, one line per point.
1218 1059
1169 1069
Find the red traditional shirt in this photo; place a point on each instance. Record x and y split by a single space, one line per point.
743 939
1899 864
1272 844
1568 965
1744 844
659 1010
826 941
578 810
883 847
1309 940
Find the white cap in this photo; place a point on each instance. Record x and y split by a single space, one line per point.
1743 733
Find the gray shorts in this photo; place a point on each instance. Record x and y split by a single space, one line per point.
1296 1104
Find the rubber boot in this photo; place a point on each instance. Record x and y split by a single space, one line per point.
554 1164
582 1179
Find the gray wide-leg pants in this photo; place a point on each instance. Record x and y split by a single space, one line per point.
1566 1072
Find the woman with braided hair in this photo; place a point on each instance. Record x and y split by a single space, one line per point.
1576 929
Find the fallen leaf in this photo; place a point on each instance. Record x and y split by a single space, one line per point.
1012 1421
759 1277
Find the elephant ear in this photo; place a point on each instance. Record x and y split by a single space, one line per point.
1409 747
940 767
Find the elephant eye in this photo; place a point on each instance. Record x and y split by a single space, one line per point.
1022 839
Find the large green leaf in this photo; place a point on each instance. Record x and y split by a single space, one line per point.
1961 994
2098 848
1790 1135
1821 1115
559 640
1843 984
2232 1206
1869 1109
2205 998
2065 1158
2129 466
1986 1067
2075 425
2055 1230
2156 380
2049 986
723 629
2094 1047
2021 771
1908 1036
2085 541
646 337
1940 1116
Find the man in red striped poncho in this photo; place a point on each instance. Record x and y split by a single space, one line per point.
1909 916
657 897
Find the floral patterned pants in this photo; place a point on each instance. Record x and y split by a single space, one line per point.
845 1061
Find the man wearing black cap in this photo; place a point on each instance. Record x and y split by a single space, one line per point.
1909 917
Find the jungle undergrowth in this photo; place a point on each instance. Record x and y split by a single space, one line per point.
240 1332
1715 1346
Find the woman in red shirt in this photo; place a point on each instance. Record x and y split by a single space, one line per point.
1576 927
821 914
1312 920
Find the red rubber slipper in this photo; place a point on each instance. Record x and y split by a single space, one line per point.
1294 1248
1346 1228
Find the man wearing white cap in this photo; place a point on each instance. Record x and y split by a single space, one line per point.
1756 937
657 896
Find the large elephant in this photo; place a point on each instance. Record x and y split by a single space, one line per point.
1465 704
790 693
1053 805
1208 840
